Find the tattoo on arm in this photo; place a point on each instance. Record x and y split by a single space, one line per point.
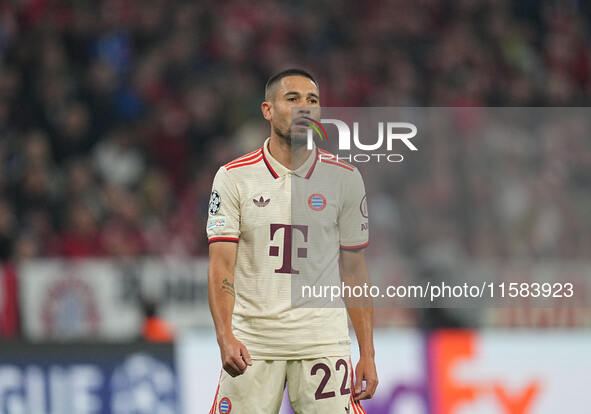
228 287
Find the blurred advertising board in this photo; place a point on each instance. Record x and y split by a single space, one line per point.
87 379
8 302
514 372
445 372
81 299
65 300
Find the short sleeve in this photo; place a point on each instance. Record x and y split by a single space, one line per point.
223 220
353 217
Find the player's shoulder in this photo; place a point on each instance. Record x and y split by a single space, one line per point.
335 163
244 163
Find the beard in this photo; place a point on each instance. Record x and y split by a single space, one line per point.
294 136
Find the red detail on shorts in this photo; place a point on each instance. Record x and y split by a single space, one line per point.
352 387
360 407
354 406
357 408
212 411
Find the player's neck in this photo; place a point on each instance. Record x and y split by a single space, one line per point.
286 155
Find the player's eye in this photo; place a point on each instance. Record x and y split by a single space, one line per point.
291 99
313 101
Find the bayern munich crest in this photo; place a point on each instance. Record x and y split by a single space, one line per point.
225 405
317 202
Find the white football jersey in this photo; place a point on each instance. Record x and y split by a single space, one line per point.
288 224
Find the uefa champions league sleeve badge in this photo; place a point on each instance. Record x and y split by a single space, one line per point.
215 201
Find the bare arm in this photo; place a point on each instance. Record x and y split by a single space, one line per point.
222 259
353 273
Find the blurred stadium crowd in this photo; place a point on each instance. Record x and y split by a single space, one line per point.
115 115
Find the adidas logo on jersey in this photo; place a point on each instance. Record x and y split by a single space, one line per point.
261 202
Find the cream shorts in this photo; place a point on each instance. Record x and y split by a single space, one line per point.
315 386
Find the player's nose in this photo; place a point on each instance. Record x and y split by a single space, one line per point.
303 112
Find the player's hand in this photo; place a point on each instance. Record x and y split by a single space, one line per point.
365 371
235 356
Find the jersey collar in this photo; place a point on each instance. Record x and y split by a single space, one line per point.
277 170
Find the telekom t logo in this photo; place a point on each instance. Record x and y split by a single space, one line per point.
288 231
402 131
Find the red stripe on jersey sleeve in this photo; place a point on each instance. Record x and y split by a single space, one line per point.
242 164
359 246
335 158
338 164
223 239
244 158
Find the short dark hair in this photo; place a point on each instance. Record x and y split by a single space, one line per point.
284 73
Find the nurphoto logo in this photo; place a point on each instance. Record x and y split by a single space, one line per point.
387 134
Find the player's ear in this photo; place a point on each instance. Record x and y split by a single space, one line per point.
266 109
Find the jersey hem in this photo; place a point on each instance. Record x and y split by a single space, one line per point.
299 357
313 353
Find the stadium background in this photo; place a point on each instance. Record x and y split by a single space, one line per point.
114 116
